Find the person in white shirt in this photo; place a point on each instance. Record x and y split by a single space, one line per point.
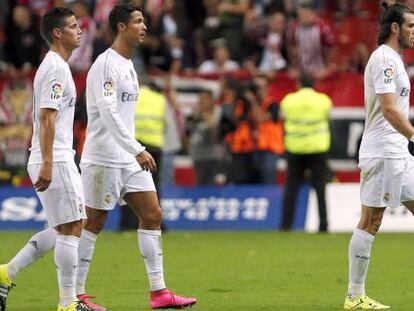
114 166
387 170
221 63
51 164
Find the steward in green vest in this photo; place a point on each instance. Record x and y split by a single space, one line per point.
306 114
307 142
150 118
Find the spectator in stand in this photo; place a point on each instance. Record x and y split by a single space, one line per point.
196 14
221 63
23 42
81 58
267 7
209 30
268 138
231 15
38 7
273 58
4 12
173 28
102 9
103 40
156 55
310 42
103 36
348 7
162 50
206 149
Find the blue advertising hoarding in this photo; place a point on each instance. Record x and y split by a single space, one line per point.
253 207
228 208
20 209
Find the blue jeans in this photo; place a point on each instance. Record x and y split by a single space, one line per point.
265 163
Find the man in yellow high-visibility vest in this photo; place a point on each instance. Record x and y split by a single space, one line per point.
307 142
150 123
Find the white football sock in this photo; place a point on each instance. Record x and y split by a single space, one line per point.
85 253
38 245
359 254
149 242
66 259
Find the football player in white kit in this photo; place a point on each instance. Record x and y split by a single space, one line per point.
114 165
387 169
51 164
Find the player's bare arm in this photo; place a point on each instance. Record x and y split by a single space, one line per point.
391 113
146 161
47 136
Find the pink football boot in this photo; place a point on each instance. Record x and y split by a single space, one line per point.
85 299
165 299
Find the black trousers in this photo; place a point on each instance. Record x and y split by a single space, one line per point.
297 165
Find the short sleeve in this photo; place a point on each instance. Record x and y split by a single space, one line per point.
384 78
52 88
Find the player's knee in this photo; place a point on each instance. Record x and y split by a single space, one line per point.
95 223
152 218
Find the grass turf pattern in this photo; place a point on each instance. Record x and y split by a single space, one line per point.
244 271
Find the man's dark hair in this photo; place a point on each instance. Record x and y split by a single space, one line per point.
121 13
392 14
54 18
306 80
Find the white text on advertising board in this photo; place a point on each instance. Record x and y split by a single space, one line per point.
220 209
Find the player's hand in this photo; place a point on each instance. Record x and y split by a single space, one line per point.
146 161
45 177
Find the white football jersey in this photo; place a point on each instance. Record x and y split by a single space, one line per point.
384 73
111 96
53 87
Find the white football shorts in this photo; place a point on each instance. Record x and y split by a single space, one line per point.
105 186
63 201
386 182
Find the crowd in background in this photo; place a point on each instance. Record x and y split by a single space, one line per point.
205 36
233 136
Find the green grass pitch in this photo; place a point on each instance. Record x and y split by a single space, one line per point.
244 271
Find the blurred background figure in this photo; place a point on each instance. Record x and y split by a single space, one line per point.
23 45
231 17
274 52
221 62
150 122
205 146
81 58
237 130
174 134
307 143
310 43
268 130
15 130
